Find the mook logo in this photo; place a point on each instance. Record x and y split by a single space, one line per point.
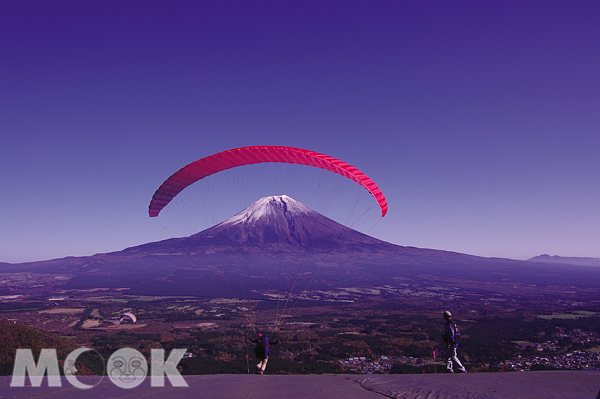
126 368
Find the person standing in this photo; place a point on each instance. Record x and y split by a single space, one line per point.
451 337
261 351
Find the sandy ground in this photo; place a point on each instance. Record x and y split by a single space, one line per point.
549 384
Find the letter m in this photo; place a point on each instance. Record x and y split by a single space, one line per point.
25 364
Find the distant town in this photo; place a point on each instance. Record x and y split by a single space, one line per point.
551 357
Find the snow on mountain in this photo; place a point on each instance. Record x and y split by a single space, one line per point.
267 209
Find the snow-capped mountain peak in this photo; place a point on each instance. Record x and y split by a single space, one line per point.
268 209
277 220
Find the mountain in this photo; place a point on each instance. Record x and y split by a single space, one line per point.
277 244
568 260
280 222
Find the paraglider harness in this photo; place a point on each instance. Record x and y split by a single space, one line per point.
261 351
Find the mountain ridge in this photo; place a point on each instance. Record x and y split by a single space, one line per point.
582 261
277 236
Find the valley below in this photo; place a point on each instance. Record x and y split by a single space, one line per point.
391 328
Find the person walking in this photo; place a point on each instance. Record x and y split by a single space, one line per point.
451 338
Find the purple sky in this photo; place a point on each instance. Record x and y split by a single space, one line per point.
480 121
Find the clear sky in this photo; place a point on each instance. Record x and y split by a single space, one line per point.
479 120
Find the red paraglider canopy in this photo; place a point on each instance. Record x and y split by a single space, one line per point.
218 162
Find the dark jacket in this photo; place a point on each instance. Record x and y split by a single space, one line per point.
450 335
